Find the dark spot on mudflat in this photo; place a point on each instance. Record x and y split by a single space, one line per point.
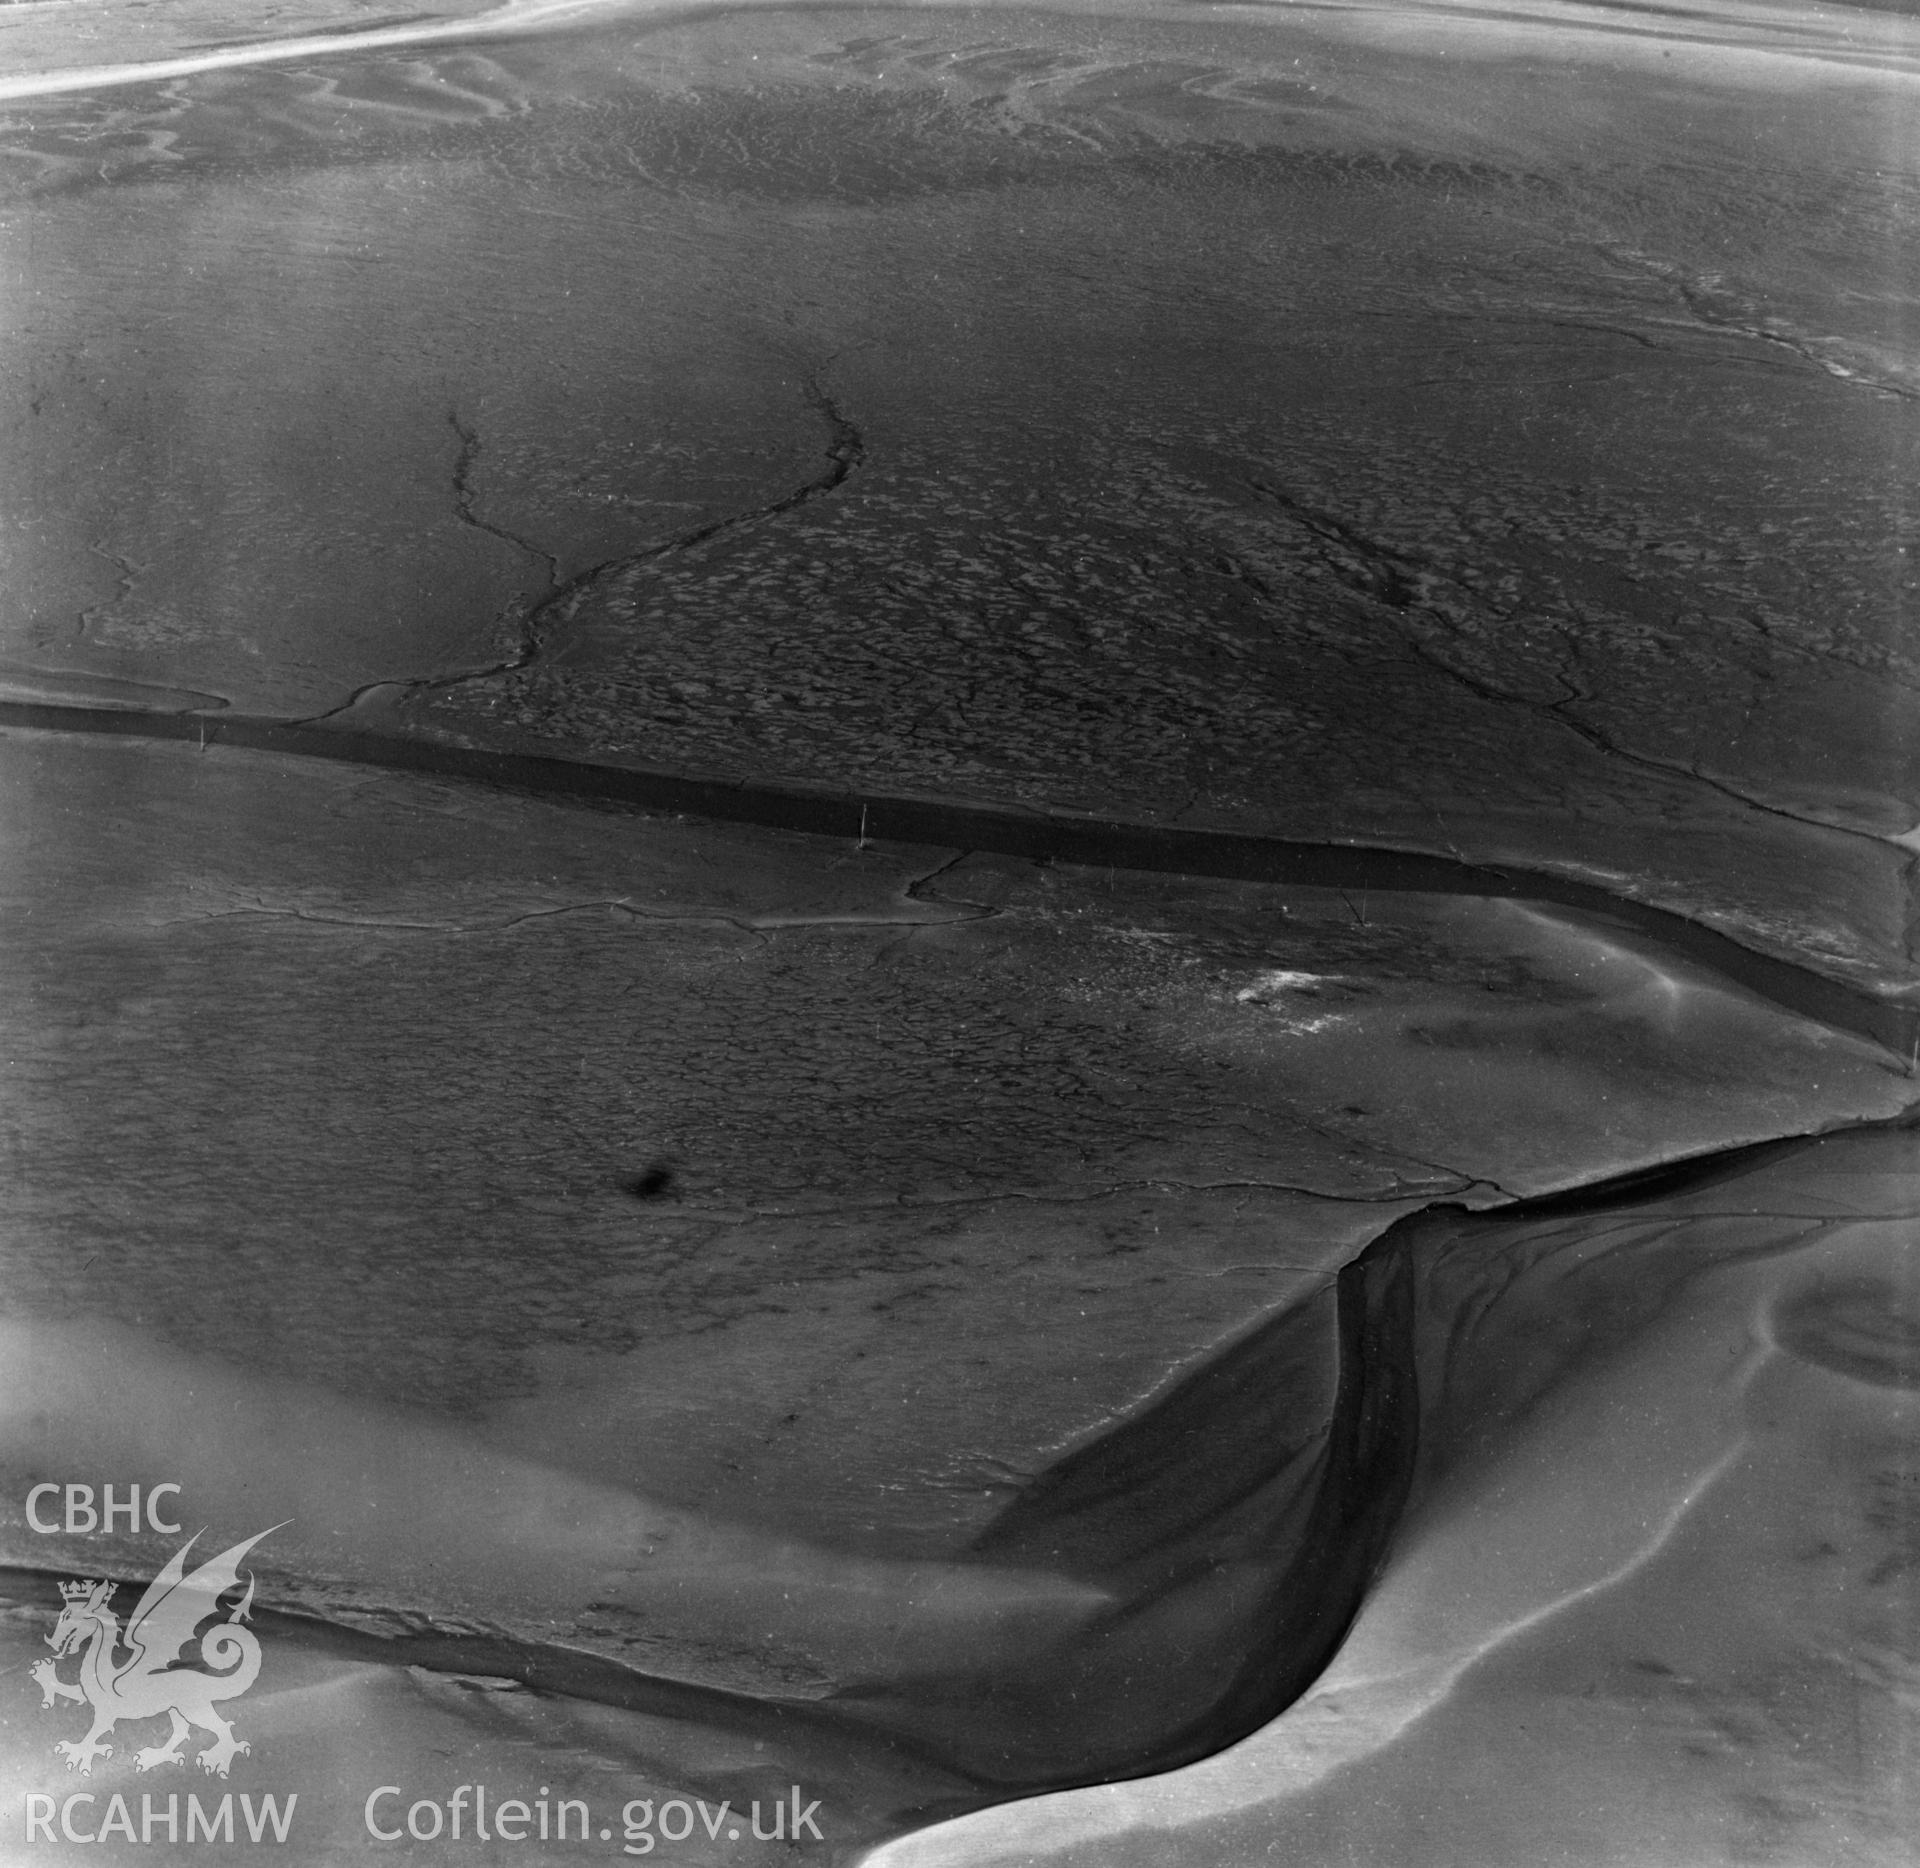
654 1184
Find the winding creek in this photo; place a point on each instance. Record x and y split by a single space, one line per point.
1226 1539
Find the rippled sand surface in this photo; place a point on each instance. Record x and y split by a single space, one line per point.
1057 1362
1271 434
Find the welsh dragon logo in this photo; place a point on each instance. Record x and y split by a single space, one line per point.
146 1672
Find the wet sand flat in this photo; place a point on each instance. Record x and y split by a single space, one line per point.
1169 494
271 1166
1054 1361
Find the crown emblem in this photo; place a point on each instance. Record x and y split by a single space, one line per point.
77 1592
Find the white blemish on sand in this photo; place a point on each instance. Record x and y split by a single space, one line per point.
1280 980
